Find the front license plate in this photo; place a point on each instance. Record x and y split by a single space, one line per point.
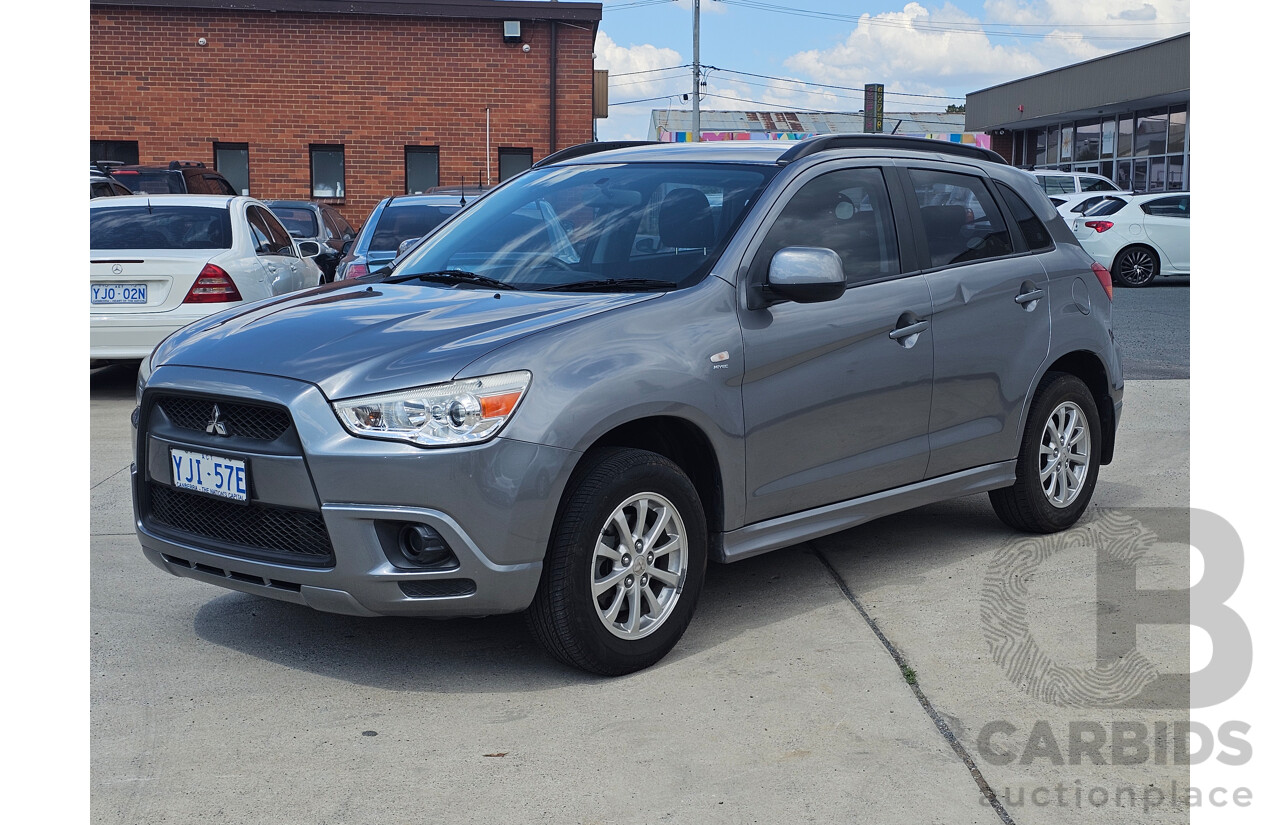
212 474
117 293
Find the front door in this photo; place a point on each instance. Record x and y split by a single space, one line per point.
836 395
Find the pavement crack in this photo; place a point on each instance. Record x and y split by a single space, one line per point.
108 478
909 677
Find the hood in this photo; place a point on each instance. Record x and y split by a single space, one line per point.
367 338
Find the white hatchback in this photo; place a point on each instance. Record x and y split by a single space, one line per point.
1138 237
159 262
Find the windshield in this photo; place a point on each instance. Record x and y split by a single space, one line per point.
658 223
160 227
400 223
300 221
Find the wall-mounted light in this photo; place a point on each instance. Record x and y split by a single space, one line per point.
511 31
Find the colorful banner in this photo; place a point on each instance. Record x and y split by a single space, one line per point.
975 138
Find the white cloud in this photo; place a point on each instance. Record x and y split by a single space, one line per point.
633 75
908 49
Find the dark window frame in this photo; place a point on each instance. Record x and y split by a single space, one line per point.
235 146
312 149
513 151
420 150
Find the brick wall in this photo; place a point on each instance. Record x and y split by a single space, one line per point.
283 81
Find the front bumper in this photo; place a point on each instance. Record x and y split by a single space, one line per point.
325 506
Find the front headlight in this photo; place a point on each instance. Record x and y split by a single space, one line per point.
460 412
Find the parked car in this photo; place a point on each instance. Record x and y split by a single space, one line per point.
392 222
159 262
512 421
102 186
319 222
1139 237
179 177
1055 182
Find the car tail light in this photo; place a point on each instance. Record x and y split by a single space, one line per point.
355 271
1098 226
214 286
1104 277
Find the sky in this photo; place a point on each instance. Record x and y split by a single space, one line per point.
775 55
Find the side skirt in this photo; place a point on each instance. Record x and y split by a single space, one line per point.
785 531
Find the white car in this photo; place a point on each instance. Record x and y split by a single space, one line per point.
1139 237
1055 182
159 262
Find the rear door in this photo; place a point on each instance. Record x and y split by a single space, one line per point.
1168 225
990 322
275 251
836 395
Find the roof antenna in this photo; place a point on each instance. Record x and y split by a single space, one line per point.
462 193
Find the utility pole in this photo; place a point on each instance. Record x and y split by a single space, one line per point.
697 76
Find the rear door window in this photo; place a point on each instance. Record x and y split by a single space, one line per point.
1035 233
960 218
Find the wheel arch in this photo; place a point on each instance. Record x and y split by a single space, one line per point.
1089 368
685 444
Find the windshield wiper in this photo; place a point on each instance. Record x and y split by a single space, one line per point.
451 276
611 285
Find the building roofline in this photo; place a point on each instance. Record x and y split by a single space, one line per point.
481 9
1108 56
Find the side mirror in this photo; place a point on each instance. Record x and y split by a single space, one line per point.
406 245
346 246
308 249
806 275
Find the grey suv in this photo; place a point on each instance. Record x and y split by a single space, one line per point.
624 363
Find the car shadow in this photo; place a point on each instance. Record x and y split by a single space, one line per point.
497 653
114 382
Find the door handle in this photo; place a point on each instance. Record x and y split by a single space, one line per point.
909 330
1027 297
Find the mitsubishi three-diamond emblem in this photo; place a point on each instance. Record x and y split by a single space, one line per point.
216 425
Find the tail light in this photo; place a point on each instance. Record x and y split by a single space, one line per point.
1098 226
1104 277
355 271
214 286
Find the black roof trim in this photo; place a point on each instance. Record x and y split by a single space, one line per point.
823 143
583 149
475 9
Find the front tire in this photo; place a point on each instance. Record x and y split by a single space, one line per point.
625 566
1057 466
1136 266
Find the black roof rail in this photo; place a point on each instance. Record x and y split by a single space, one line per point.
822 143
178 164
589 149
105 166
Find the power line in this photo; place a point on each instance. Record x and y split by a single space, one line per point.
649 71
957 27
829 85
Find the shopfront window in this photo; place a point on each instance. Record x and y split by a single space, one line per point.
1151 134
1177 129
1088 141
1124 137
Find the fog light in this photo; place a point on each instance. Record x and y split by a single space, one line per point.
422 545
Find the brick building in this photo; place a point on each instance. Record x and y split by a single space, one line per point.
341 101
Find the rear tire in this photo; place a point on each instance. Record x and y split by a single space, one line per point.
1057 465
625 566
1136 266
